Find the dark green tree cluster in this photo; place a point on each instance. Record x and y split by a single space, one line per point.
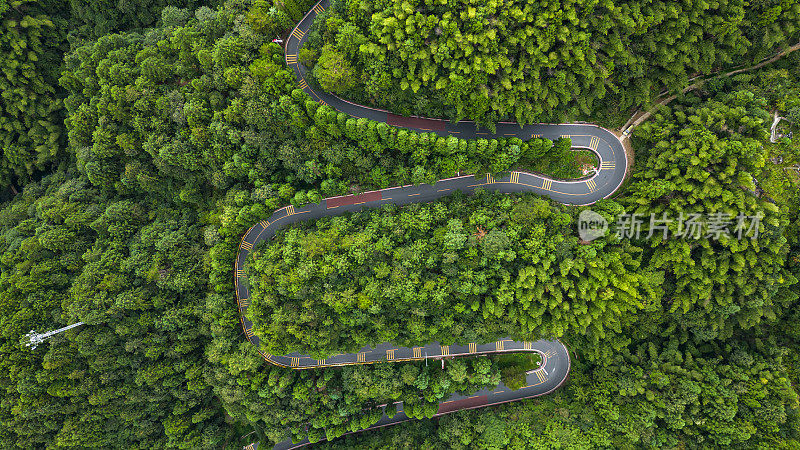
657 394
708 160
463 269
535 61
101 17
133 271
32 41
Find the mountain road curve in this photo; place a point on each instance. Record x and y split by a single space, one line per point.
555 364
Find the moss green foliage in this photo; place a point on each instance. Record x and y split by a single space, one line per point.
334 72
541 61
780 88
560 161
707 160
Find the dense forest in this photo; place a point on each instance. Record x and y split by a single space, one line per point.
533 61
712 362
685 322
141 139
463 269
657 393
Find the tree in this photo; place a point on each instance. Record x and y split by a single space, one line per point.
726 281
101 17
536 62
32 42
333 72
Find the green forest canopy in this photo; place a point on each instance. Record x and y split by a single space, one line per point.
534 61
147 140
455 271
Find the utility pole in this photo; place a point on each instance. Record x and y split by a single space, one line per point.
34 338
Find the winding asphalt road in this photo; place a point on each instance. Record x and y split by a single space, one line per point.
613 161
549 376
555 357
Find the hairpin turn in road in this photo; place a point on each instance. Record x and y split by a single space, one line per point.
555 365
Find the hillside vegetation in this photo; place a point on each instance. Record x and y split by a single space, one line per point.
456 271
534 61
141 139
